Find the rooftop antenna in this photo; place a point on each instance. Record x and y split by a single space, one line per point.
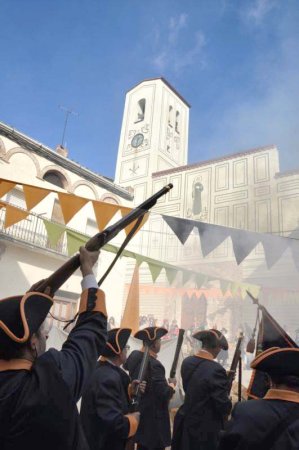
67 114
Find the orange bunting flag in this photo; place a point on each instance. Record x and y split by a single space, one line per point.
70 205
14 215
130 317
104 213
6 186
34 195
125 211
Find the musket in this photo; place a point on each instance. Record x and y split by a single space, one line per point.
135 399
177 353
235 361
98 241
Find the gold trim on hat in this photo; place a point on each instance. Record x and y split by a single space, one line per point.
26 335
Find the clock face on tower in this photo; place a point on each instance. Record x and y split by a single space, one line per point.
137 140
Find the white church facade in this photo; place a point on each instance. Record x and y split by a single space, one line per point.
242 190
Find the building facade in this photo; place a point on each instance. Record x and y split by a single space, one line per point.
26 254
242 190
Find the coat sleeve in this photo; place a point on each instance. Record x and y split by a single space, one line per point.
219 391
109 410
232 438
79 353
160 386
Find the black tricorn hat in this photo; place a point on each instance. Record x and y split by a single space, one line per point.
21 316
150 334
214 336
117 339
278 361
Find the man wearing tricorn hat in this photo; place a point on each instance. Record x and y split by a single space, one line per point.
273 421
154 428
105 415
38 389
199 420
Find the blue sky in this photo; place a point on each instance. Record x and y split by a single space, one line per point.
235 61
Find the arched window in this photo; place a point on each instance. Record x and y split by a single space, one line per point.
55 178
177 122
170 116
140 110
109 199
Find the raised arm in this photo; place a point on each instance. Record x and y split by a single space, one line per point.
79 353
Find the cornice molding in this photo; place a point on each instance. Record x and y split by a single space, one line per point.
61 161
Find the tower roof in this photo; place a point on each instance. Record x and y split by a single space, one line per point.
167 84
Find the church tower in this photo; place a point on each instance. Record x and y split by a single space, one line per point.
154 135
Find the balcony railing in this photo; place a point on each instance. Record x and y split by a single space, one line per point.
33 231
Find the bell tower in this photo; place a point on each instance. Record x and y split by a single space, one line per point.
154 135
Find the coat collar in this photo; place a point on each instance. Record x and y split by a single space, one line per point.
15 364
205 355
282 394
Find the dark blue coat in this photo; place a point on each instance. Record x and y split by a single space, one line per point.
104 406
38 404
199 420
154 426
271 423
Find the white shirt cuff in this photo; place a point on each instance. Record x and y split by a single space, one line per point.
88 282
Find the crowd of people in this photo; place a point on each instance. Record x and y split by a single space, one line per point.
39 389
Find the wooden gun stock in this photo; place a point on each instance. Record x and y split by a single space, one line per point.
98 241
177 353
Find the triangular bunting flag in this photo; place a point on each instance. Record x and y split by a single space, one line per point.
130 318
104 213
211 236
14 215
70 205
181 227
54 231
270 334
224 286
243 289
200 280
274 246
139 260
124 212
155 270
74 241
254 290
234 288
6 186
170 274
34 195
186 276
243 243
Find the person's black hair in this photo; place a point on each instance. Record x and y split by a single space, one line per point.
289 380
13 350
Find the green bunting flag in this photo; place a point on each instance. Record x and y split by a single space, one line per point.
155 270
234 288
170 274
224 286
54 231
74 241
200 280
186 276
